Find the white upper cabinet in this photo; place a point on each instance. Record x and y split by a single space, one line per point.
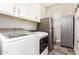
7 8
28 11
40 11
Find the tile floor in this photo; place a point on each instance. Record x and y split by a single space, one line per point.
58 50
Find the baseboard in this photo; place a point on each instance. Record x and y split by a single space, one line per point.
76 51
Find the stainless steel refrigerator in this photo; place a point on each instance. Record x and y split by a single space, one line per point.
67 31
46 25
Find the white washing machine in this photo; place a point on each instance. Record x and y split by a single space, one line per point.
21 44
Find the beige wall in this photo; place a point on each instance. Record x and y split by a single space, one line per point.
56 11
64 9
10 22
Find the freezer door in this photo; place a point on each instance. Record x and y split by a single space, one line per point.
45 24
67 31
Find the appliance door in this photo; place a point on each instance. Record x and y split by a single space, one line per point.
43 25
43 44
67 31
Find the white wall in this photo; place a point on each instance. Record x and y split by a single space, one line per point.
56 11
10 22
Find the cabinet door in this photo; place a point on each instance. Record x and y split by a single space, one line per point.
7 7
27 10
38 12
16 9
